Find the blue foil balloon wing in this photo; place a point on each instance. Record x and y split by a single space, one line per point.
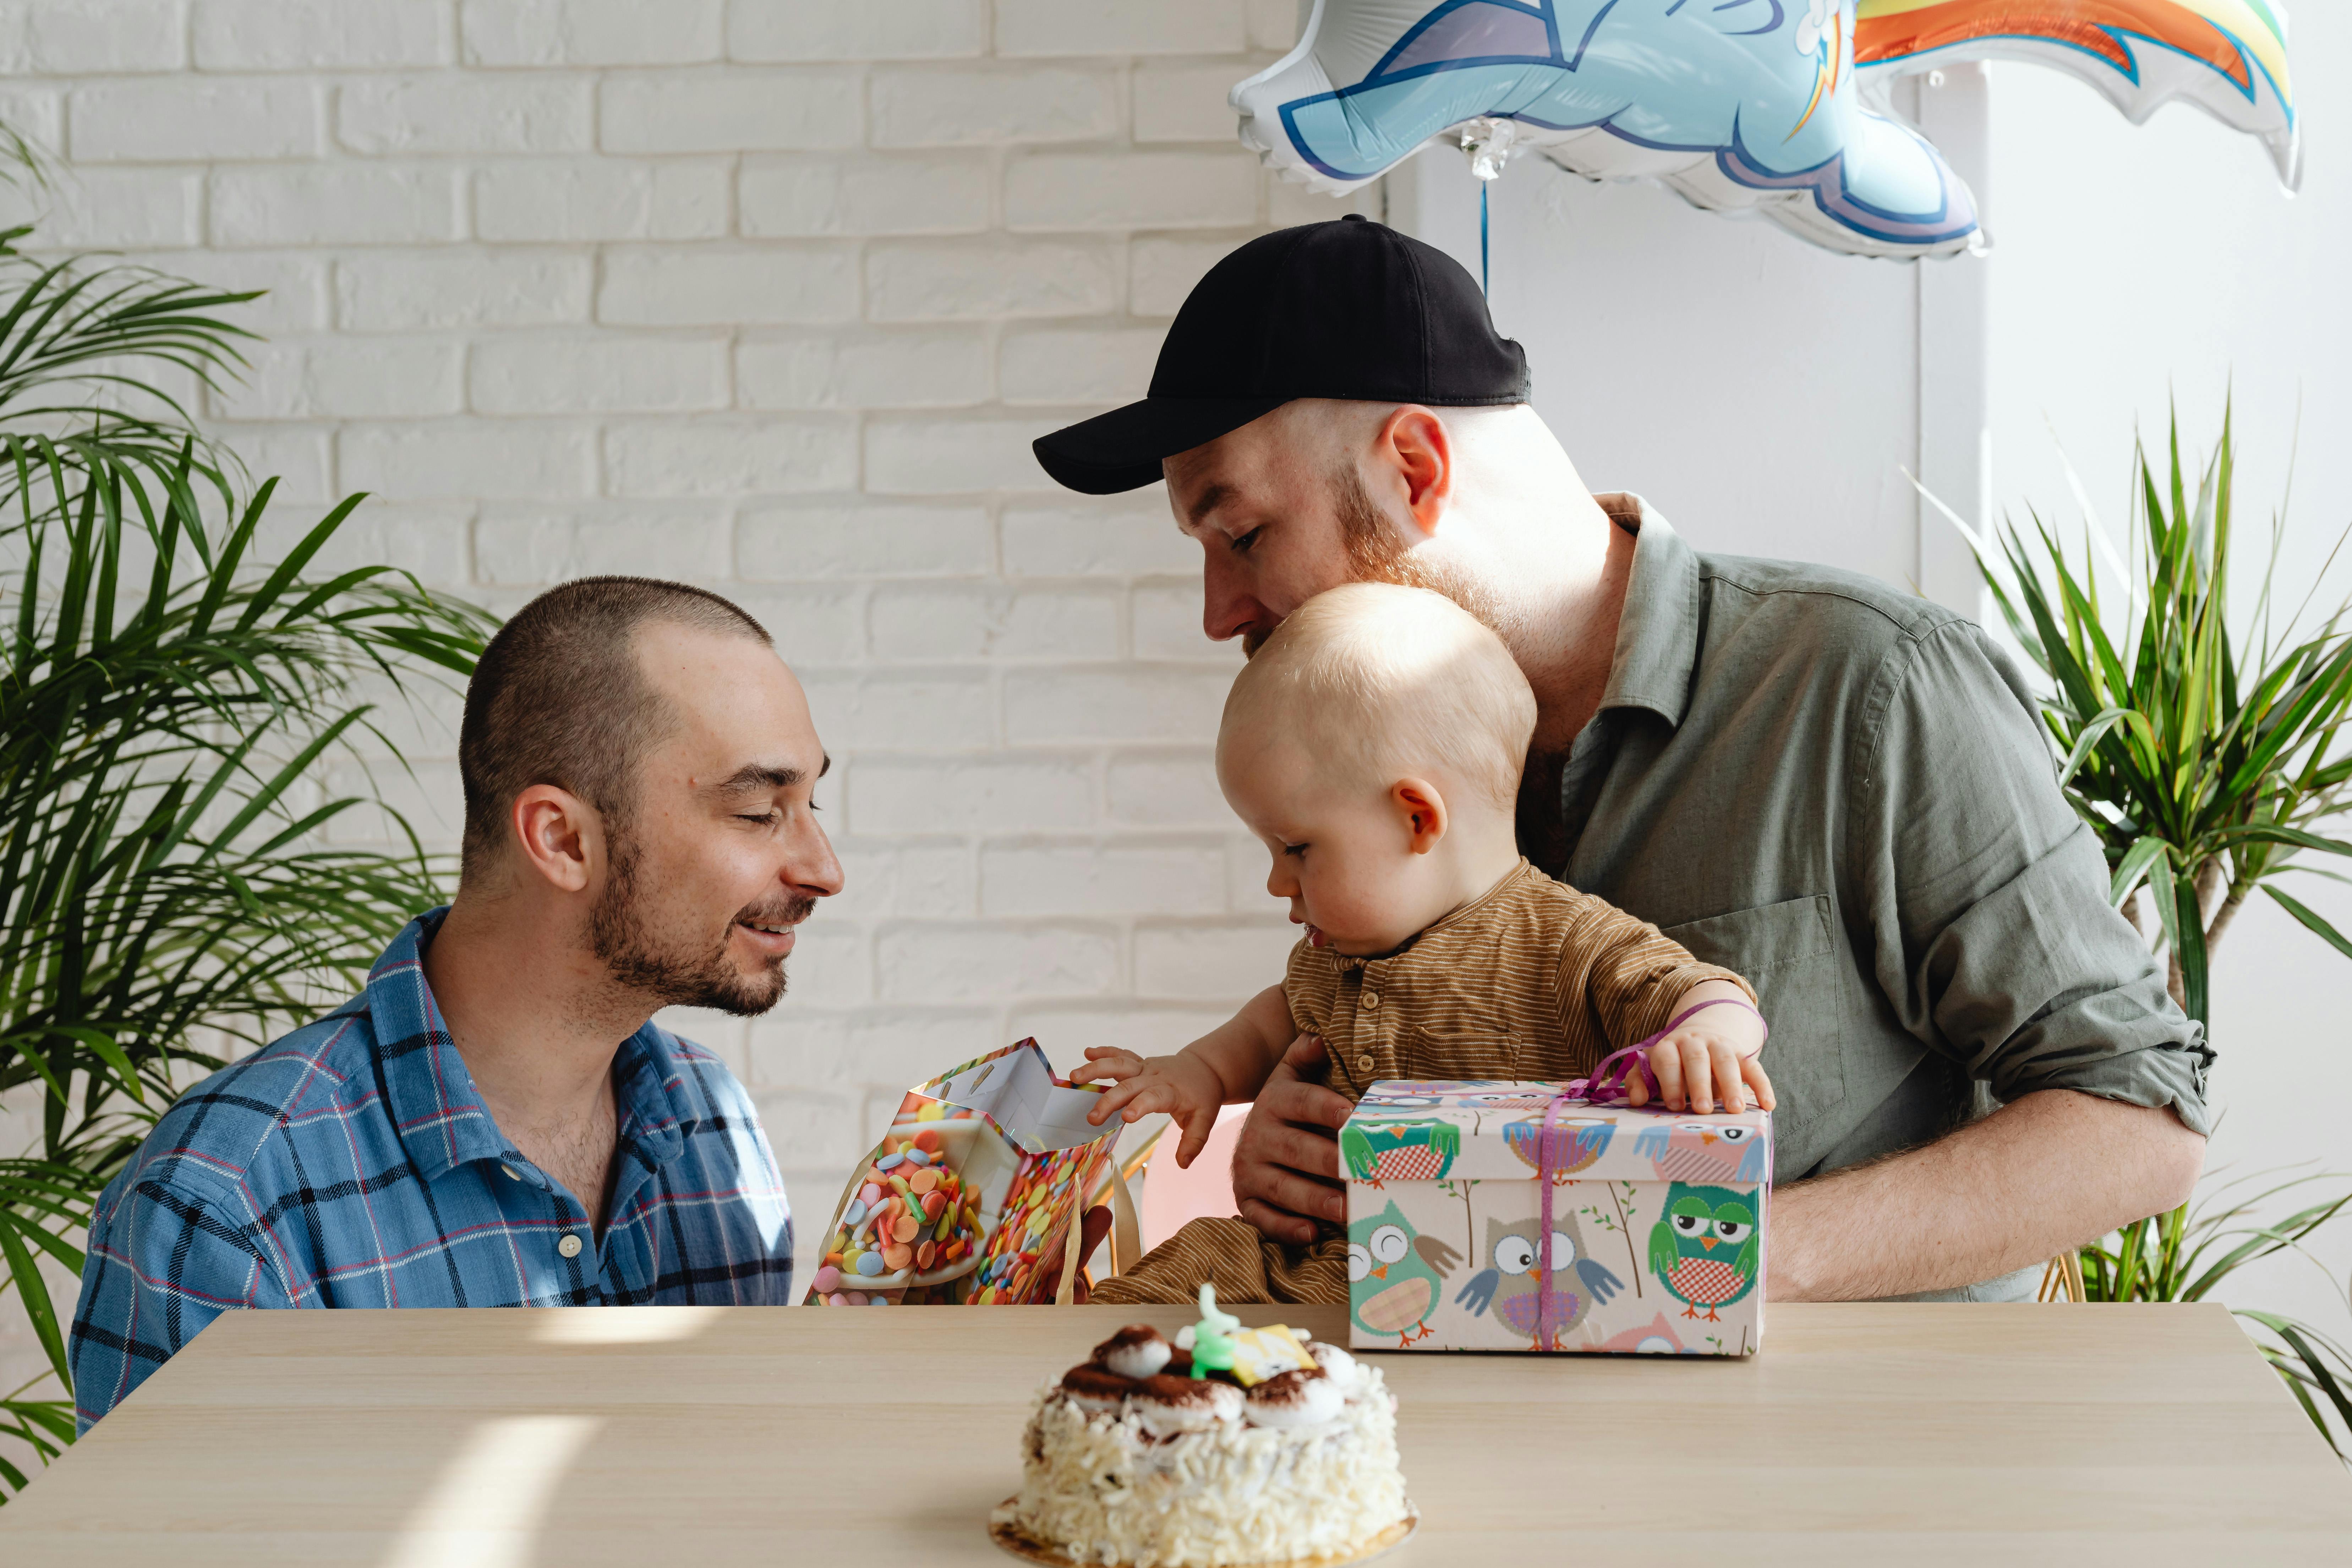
1738 105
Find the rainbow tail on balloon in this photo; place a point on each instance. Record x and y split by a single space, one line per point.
1773 106
2227 56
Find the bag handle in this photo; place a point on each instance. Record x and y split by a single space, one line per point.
1066 1293
1125 1246
2061 1279
1126 1231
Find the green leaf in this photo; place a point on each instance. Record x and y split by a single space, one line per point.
2106 721
53 1416
2267 834
102 1046
2312 920
34 1292
298 557
2165 895
2306 1365
2189 949
2134 866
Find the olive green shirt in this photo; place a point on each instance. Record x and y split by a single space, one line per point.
1842 792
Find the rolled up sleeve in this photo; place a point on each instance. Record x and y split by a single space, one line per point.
1988 895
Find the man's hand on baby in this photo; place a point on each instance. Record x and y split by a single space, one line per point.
1709 1062
1180 1087
1286 1157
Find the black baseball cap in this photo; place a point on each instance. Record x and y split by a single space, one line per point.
1350 309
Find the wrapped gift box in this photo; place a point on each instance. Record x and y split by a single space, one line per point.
1658 1223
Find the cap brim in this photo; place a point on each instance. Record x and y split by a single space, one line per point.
1121 450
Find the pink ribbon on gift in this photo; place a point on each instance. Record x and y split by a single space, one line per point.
1547 1161
1606 1086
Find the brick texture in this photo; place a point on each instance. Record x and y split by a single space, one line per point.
802 197
773 297
590 31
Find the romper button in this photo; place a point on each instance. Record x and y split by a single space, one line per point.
1373 1000
513 1174
569 1247
1363 1064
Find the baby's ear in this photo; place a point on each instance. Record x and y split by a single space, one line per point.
1422 811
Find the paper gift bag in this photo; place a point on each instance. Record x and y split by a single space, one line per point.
1653 1240
975 1195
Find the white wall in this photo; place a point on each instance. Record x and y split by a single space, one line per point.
770 295
2134 265
1761 393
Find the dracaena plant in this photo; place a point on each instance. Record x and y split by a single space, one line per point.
2207 759
167 700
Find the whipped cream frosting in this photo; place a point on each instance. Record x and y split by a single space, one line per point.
1167 1471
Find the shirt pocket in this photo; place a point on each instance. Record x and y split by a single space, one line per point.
1790 952
1460 1054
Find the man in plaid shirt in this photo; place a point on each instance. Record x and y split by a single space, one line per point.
495 1121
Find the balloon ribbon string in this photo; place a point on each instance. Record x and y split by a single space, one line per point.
1483 275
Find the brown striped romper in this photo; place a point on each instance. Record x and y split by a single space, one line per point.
1531 980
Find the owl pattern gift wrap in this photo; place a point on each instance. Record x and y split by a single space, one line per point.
1653 1240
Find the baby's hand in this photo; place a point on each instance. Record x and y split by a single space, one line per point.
1712 1060
1182 1086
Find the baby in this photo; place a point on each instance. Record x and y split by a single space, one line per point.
1374 744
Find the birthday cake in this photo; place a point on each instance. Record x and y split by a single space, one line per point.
1226 1445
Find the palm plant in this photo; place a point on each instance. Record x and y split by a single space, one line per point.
2207 762
165 885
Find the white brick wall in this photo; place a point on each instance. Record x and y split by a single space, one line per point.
773 296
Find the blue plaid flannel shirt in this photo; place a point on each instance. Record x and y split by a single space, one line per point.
352 1164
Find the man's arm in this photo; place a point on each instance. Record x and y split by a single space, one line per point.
1993 942
161 1264
2039 1175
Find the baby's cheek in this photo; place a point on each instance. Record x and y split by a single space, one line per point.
1362 902
1330 896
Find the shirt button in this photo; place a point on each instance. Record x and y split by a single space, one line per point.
1373 1000
513 1174
1363 1064
569 1247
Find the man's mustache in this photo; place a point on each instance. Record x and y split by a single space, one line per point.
791 912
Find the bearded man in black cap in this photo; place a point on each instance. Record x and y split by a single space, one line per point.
1840 791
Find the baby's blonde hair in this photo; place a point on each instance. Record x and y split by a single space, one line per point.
1389 681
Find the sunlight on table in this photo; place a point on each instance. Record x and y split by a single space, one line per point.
486 1507
620 1325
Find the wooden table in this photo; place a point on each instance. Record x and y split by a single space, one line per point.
1900 1434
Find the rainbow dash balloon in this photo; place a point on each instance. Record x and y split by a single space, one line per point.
1772 106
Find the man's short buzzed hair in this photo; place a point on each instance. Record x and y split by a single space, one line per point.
558 697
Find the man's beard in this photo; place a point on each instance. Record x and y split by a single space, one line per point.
1377 552
637 960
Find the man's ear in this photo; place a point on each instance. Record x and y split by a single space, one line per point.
1422 812
1413 443
558 837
